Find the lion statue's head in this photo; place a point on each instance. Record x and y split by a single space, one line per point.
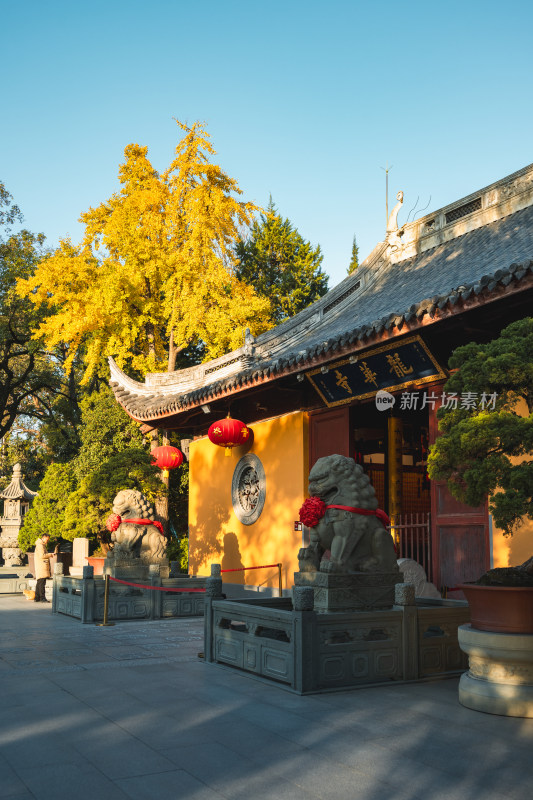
130 503
335 477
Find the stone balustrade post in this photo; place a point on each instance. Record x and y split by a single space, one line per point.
303 598
56 582
88 595
213 585
156 598
304 639
404 598
213 591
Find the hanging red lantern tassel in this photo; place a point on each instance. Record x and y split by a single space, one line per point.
228 433
166 458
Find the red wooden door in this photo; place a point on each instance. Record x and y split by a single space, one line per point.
460 533
329 433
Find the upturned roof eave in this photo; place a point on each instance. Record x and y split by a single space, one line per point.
504 283
17 490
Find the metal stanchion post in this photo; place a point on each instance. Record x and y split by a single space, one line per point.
279 580
105 623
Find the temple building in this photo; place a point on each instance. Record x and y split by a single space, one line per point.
361 373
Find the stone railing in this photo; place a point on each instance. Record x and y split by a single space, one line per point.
14 580
289 642
83 598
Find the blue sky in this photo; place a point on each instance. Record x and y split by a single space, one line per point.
303 100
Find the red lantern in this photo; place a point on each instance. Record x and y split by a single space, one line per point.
228 433
166 458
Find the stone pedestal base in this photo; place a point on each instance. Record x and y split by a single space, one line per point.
359 591
500 678
11 555
133 569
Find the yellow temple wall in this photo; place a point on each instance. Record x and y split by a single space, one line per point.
215 533
510 551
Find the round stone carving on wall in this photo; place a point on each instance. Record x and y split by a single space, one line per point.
248 489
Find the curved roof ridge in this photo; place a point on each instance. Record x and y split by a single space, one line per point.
350 338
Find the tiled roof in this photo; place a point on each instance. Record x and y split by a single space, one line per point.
404 283
17 489
145 408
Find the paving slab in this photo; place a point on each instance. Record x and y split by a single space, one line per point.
175 785
131 711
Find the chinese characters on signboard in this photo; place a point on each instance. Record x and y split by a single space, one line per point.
393 366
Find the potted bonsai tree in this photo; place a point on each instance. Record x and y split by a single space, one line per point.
486 449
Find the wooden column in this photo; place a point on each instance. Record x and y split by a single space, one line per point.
394 464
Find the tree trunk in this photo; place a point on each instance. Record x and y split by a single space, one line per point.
150 336
172 353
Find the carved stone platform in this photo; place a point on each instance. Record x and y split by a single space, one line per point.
342 592
83 598
13 580
295 647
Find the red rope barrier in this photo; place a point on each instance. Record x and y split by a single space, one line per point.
156 588
242 569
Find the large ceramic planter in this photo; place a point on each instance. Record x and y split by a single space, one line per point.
500 609
97 563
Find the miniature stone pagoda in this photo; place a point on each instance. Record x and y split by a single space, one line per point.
17 500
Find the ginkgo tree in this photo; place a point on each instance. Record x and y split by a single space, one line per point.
155 271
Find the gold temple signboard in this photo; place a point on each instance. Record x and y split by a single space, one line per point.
390 367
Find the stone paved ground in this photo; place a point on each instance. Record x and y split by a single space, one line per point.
130 711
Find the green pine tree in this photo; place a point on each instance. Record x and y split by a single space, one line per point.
354 261
487 451
48 509
281 265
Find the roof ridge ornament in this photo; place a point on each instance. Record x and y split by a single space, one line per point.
247 357
394 233
392 224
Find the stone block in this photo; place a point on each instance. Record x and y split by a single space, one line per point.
359 591
75 572
127 569
404 594
80 552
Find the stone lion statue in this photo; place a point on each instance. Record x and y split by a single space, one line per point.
355 535
143 539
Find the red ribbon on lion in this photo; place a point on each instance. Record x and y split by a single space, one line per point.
314 509
114 520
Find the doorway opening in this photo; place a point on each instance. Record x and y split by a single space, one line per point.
392 447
